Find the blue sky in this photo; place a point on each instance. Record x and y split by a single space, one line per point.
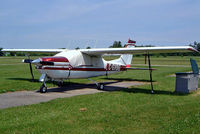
97 23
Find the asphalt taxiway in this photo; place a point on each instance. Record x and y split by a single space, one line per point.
19 98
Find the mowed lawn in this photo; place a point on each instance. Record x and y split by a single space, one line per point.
134 110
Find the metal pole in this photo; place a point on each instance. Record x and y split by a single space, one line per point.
150 72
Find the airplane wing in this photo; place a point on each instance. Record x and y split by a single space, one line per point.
138 50
34 50
102 51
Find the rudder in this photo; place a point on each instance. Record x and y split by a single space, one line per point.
127 58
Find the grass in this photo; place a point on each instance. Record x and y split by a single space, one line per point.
116 112
16 76
134 110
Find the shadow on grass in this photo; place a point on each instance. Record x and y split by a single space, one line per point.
77 86
156 92
128 79
69 86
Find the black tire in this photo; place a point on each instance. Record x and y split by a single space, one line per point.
60 84
100 86
43 89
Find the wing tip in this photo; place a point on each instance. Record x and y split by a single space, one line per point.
192 49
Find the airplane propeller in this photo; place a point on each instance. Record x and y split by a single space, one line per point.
30 66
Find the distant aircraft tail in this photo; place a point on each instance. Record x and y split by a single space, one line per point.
126 58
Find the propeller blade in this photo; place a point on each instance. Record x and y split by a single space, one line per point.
31 70
30 66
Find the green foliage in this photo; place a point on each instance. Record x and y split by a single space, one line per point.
144 46
88 47
196 45
77 48
12 54
1 53
116 44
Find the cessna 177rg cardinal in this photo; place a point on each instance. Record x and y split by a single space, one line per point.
86 63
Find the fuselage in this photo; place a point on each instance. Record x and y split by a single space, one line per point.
74 64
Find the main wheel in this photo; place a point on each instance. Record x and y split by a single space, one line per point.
100 86
43 89
60 84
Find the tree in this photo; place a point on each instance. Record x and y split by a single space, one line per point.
116 44
12 53
196 45
1 53
88 47
145 46
77 48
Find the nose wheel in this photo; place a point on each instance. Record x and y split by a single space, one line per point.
43 88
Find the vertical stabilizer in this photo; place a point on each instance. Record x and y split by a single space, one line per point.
127 58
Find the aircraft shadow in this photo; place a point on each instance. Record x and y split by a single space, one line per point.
148 91
69 86
76 86
128 79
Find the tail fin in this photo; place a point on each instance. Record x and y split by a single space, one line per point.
127 58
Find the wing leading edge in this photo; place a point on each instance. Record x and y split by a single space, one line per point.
35 50
101 51
138 50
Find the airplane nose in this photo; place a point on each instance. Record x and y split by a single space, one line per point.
37 61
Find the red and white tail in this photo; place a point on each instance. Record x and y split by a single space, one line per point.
127 58
130 43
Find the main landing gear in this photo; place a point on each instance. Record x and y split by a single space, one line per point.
100 86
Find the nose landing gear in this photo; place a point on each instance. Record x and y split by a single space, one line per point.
43 88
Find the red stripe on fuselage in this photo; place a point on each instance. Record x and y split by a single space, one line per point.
55 59
75 69
122 68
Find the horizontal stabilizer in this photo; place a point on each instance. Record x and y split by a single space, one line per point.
132 68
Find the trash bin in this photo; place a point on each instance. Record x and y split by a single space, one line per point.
187 82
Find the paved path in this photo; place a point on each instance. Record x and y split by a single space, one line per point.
20 98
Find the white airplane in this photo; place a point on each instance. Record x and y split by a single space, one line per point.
86 63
